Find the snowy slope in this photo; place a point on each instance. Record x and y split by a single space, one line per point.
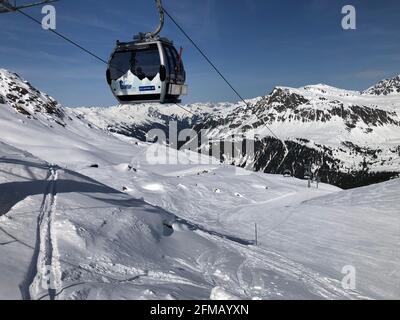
101 243
358 227
45 226
133 229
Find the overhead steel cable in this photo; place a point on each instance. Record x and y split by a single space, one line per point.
205 57
215 67
187 110
64 37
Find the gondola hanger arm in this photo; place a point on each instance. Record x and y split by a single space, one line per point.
155 33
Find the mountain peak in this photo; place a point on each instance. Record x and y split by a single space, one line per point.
385 87
24 98
319 86
318 89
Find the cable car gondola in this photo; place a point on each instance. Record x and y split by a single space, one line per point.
147 69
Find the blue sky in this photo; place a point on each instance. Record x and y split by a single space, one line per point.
257 44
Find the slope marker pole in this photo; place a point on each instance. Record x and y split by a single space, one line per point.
256 234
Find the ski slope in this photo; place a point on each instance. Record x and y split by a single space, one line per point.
106 232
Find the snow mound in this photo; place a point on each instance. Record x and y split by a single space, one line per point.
219 293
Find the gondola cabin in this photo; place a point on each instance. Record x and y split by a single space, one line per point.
149 70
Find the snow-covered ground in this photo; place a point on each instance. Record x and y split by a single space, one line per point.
91 214
132 230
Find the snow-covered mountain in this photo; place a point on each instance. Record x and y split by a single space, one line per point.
385 87
346 132
137 120
26 99
87 211
341 129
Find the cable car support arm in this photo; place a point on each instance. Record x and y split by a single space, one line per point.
155 33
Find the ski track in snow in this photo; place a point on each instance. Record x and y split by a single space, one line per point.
44 261
271 263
